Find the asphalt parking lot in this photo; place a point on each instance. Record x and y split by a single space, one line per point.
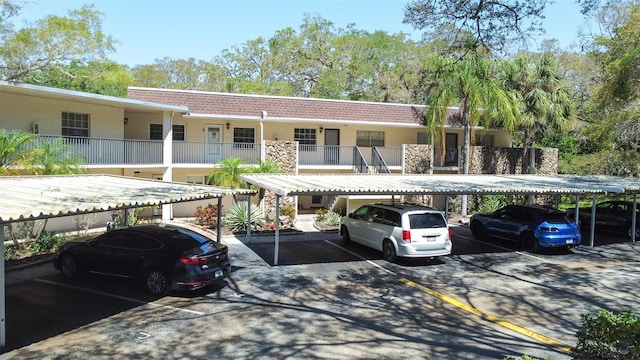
487 300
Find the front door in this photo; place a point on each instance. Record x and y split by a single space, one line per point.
214 143
332 146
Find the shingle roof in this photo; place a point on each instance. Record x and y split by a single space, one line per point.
279 107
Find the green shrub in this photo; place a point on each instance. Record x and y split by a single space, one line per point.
491 203
10 252
608 336
320 214
332 218
236 218
47 243
288 210
207 216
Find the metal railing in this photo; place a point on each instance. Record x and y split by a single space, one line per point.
392 155
101 151
359 162
207 153
325 155
377 161
451 157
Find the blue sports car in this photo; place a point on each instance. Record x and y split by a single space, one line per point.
533 226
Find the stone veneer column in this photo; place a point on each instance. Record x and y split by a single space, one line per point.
284 153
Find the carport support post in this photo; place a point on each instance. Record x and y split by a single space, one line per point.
276 251
592 231
446 208
577 214
633 218
248 217
219 226
3 310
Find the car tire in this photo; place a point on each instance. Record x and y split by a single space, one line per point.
637 233
345 235
69 267
157 282
389 251
530 242
478 230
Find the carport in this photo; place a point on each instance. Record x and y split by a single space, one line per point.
446 185
27 198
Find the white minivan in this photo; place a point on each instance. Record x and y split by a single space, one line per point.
398 230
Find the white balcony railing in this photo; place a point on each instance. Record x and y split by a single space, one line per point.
325 155
114 152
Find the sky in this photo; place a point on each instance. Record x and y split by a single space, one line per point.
147 30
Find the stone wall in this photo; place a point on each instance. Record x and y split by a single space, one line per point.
488 160
284 153
417 159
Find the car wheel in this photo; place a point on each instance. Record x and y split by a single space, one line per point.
345 235
637 233
530 242
69 267
157 282
389 251
478 230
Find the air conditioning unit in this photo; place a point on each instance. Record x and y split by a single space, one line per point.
35 128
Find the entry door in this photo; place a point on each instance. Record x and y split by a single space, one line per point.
214 143
451 149
332 146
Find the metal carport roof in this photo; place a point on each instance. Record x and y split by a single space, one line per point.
364 184
24 198
415 184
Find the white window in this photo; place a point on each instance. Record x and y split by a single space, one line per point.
75 124
243 138
155 132
306 138
369 138
195 179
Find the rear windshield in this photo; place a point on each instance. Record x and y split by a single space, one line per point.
426 221
555 217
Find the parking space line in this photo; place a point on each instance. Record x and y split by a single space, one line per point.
503 248
360 257
519 329
118 296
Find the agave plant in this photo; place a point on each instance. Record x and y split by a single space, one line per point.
236 217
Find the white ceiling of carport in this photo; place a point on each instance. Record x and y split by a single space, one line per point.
38 197
366 184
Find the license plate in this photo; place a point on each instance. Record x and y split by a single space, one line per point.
569 241
219 273
430 238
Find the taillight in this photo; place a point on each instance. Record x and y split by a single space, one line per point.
194 260
406 235
549 229
449 232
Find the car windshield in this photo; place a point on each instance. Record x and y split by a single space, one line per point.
426 221
555 217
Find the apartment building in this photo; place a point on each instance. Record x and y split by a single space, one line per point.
181 135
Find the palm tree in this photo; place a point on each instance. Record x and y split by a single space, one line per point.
55 157
19 154
15 156
544 103
471 83
229 174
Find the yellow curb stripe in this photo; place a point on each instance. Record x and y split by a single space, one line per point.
534 335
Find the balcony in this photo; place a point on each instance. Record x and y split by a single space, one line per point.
124 152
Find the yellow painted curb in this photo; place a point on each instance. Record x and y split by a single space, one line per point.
534 335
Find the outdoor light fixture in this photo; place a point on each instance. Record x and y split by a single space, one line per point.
126 121
228 125
321 128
